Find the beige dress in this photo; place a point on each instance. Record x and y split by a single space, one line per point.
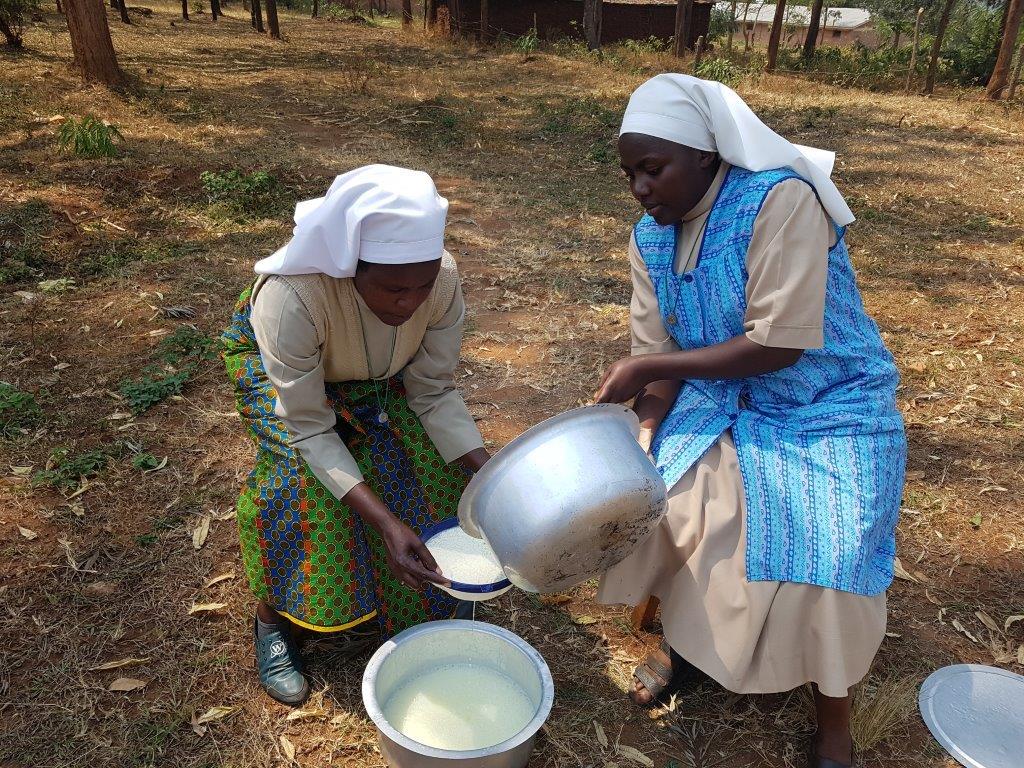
751 637
314 328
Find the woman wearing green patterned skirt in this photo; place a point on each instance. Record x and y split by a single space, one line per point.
342 354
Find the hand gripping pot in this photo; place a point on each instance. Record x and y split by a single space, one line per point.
567 499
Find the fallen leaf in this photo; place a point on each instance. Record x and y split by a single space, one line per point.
584 620
213 713
206 607
118 416
118 663
555 599
631 753
1010 621
900 572
917 367
305 714
288 748
126 684
976 520
21 471
61 366
985 619
961 628
601 737
915 474
200 533
28 533
218 579
157 468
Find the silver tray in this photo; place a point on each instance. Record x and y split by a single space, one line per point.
977 714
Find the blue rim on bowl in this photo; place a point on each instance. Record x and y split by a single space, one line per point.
479 589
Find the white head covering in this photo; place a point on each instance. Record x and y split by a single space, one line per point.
377 213
709 116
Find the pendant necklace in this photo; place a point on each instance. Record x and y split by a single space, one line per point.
382 408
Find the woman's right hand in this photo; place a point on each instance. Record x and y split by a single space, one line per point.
408 557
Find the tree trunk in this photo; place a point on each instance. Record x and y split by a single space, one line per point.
316 8
184 9
1001 72
732 26
122 8
897 35
776 35
592 23
940 33
257 15
60 8
93 49
810 43
1015 78
912 70
406 13
215 10
272 23
484 20
1002 30
429 13
13 40
684 15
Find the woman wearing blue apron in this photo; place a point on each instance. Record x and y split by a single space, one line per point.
768 398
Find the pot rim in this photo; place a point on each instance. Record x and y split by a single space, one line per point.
462 586
510 454
373 708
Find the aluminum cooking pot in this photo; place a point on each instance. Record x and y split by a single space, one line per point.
567 499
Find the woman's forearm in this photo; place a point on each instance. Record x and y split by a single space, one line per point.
737 358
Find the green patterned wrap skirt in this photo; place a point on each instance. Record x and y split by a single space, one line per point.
305 552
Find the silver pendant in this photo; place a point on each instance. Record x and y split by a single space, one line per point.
382 418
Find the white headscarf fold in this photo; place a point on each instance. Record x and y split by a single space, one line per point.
710 116
377 213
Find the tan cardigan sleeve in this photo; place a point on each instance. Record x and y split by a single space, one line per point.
787 269
645 323
292 357
430 385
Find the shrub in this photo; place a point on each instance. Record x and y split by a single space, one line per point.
14 16
722 70
64 471
88 137
178 357
19 411
257 195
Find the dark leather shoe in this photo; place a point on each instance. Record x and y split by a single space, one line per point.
280 667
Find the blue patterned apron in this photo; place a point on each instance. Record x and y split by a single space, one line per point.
821 445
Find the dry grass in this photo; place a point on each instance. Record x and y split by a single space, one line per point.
539 220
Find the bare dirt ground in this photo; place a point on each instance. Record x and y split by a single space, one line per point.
104 557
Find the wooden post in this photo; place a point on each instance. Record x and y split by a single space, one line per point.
644 613
1001 71
93 49
592 23
1012 91
316 8
684 12
273 25
913 53
184 9
776 35
699 55
215 10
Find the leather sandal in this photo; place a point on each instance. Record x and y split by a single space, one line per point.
662 673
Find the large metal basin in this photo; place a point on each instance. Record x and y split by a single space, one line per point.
567 499
434 644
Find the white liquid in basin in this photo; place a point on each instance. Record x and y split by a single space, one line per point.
459 706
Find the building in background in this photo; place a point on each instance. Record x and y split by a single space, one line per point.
839 26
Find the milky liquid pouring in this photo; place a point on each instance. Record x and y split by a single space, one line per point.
459 707
464 558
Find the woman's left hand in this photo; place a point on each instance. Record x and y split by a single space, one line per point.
623 380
